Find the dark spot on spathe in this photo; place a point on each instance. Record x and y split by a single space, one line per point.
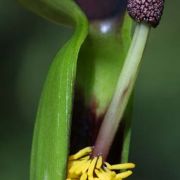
85 123
102 9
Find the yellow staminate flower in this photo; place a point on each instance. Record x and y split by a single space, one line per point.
82 167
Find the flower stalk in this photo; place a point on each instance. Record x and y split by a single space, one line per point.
148 14
123 91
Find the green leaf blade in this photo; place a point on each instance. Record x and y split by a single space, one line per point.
52 129
58 11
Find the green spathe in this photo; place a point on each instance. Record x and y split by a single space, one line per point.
52 128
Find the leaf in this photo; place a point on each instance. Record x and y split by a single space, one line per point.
58 11
51 134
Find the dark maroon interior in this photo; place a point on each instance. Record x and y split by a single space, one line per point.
100 9
85 126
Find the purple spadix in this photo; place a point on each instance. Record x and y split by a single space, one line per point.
147 11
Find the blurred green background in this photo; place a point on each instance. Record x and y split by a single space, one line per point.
27 45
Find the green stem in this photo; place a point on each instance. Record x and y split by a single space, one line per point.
123 91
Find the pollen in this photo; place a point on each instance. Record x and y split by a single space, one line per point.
81 166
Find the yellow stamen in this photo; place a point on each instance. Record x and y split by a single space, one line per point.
84 177
86 167
82 167
121 166
99 162
81 153
124 174
92 167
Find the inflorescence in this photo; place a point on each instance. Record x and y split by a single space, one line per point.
81 166
147 11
